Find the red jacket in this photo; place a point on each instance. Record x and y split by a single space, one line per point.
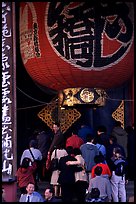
75 141
24 176
105 170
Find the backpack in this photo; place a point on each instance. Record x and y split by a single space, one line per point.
120 167
93 196
54 162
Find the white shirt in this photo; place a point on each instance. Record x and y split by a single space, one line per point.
30 197
36 152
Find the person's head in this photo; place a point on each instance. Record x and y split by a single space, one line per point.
56 127
98 170
36 132
69 150
33 143
101 129
74 132
77 151
30 188
117 123
49 192
99 159
112 139
60 145
90 137
26 162
117 152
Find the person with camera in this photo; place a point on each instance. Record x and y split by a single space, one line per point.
35 155
25 174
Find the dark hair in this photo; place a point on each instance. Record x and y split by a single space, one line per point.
25 162
117 123
74 132
113 139
117 150
69 150
89 137
30 183
99 158
95 193
98 170
102 128
60 146
33 143
77 151
51 189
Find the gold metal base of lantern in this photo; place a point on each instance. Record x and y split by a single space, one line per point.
56 111
74 96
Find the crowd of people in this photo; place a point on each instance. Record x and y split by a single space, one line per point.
86 161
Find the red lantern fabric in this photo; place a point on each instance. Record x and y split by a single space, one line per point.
75 44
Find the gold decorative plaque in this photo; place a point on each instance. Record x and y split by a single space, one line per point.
118 114
52 113
86 95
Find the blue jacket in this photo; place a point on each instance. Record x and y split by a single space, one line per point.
36 197
89 151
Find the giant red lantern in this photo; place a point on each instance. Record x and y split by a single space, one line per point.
77 44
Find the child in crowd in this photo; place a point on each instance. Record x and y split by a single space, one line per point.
119 176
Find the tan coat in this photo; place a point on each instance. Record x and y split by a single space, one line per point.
55 174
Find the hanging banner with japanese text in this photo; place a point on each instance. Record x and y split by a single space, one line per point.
8 92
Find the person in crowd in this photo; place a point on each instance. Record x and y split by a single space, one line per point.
84 130
31 195
35 155
102 183
44 142
89 151
81 183
130 148
3 195
101 149
60 152
102 136
113 144
118 181
100 161
67 176
25 174
57 139
74 140
120 133
49 195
